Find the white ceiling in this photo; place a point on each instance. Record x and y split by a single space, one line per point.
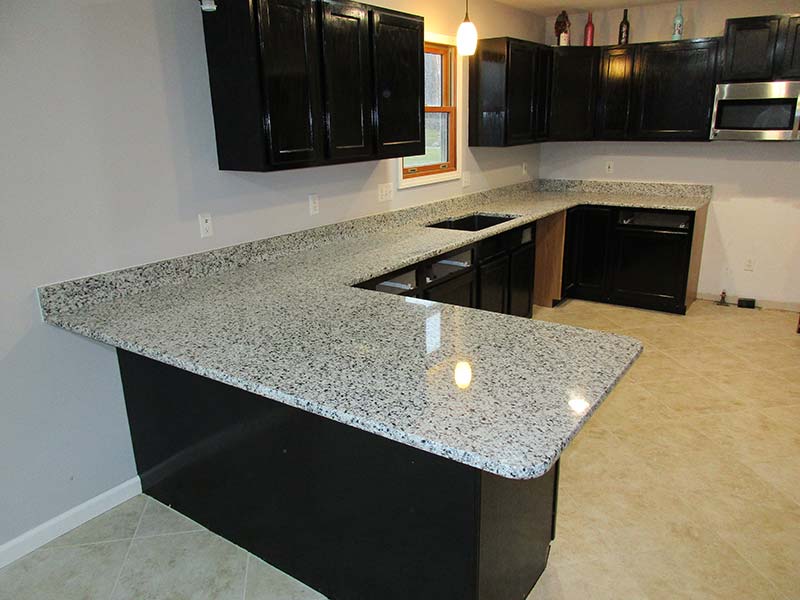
553 7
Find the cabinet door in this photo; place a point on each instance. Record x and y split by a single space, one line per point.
493 284
651 268
398 55
347 80
587 252
750 48
573 93
291 81
614 93
521 127
790 45
523 260
459 290
544 72
674 90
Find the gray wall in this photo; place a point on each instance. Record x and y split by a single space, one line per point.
106 158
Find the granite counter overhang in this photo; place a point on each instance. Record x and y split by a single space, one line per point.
292 329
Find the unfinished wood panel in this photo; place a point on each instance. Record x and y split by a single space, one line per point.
698 236
550 233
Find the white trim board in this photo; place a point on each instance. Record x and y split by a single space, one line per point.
61 524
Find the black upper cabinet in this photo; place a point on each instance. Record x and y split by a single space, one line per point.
572 102
398 57
347 80
521 117
750 48
789 67
674 90
614 93
291 82
297 83
508 92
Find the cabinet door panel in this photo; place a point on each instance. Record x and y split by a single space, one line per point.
675 90
523 260
650 268
398 55
573 93
750 48
544 70
614 93
459 290
790 66
347 80
587 252
493 284
291 81
521 79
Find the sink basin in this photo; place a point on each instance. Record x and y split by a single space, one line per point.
472 222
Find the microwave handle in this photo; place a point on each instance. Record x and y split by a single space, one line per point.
796 129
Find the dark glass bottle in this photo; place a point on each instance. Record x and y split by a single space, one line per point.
624 29
562 29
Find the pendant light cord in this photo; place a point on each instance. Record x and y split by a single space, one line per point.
466 14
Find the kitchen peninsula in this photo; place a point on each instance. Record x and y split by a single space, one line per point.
370 445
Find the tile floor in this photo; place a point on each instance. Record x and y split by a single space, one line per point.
685 484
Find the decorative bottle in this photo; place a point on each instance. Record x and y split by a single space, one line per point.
562 29
588 32
624 29
677 24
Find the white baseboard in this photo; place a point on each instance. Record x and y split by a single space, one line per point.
789 306
50 530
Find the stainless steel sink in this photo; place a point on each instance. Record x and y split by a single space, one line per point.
474 222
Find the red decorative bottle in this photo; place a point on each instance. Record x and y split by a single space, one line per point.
588 32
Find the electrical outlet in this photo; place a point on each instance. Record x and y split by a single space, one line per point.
206 225
524 168
609 167
385 192
466 179
313 204
749 265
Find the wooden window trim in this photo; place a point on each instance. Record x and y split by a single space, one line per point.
448 92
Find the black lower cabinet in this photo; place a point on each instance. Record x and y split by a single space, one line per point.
650 268
522 263
351 514
459 290
493 284
633 257
586 256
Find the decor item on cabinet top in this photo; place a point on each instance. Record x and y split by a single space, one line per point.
467 35
588 32
624 29
562 29
677 24
208 5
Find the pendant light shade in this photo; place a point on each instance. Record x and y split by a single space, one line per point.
467 36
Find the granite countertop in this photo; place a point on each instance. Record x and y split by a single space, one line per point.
293 329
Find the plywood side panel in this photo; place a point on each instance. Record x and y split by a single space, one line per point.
550 233
698 237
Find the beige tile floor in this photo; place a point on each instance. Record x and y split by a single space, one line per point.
685 484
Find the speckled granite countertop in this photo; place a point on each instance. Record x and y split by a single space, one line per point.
289 327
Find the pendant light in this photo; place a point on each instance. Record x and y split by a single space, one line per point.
467 36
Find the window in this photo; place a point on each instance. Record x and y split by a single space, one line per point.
440 116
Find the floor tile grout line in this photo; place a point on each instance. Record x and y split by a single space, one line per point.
128 551
246 571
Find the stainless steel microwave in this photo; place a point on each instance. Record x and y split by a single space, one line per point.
766 111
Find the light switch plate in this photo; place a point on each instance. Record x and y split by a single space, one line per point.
466 179
313 204
385 192
206 225
609 167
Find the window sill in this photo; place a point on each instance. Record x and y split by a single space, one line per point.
426 179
